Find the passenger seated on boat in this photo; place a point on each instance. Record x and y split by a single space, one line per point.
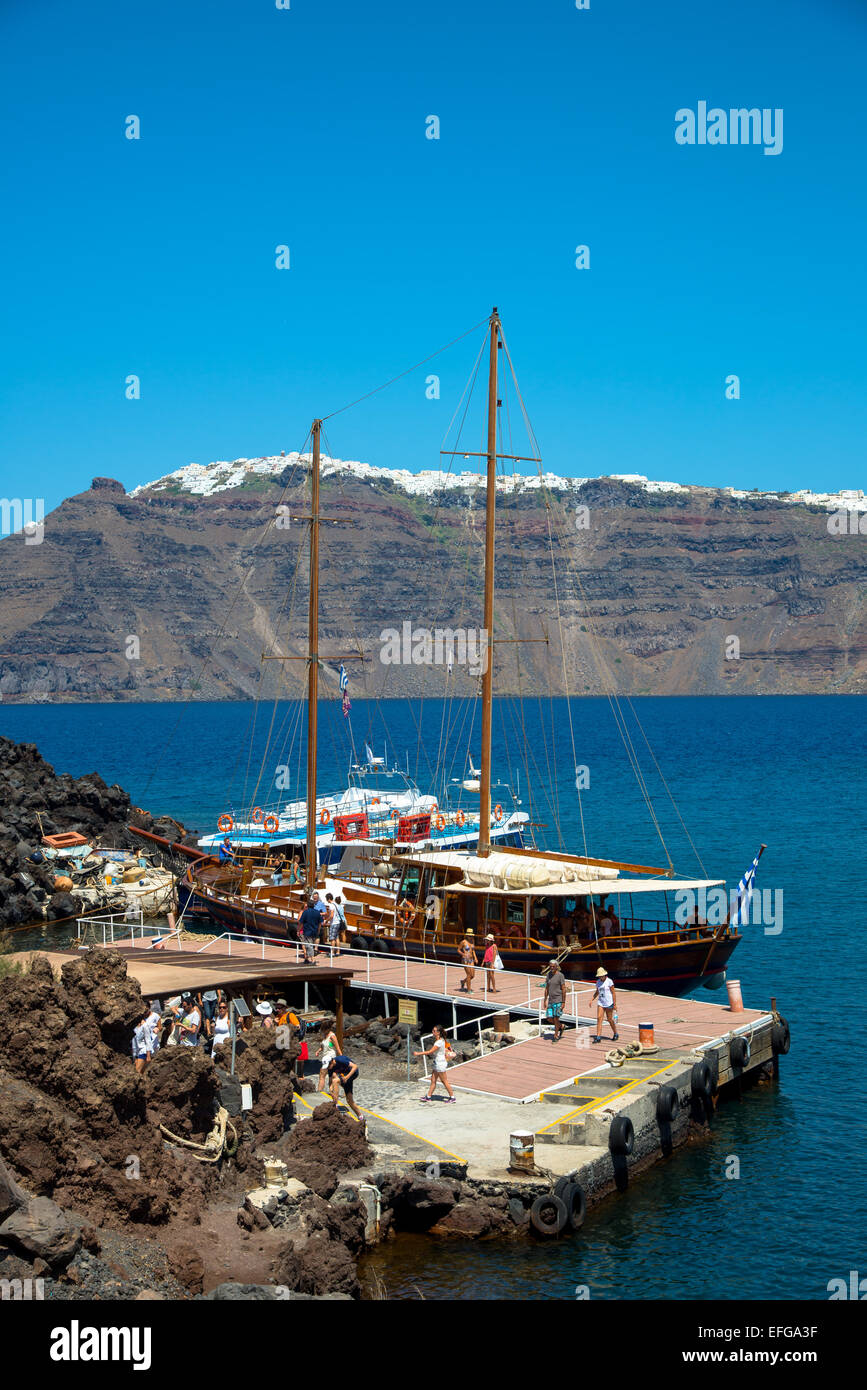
511 935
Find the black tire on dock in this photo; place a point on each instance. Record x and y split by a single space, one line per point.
780 1039
667 1103
561 1189
548 1215
360 943
701 1080
576 1206
739 1053
377 944
621 1135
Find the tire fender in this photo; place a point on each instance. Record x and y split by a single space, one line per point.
621 1135
739 1053
667 1104
548 1215
780 1037
701 1081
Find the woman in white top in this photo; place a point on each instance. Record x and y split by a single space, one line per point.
328 1049
222 1026
440 1052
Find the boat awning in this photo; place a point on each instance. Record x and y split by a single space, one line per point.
609 887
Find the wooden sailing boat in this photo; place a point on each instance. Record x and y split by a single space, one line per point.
425 902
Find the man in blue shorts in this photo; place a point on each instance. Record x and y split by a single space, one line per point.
554 987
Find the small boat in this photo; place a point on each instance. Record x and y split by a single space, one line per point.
103 877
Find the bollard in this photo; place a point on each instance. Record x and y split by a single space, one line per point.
522 1151
736 1003
645 1034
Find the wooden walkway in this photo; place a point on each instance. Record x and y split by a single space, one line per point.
519 1072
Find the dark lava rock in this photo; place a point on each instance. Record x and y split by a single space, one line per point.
40 1229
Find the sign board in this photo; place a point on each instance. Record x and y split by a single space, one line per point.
407 1011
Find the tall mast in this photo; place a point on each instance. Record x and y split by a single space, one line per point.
313 662
484 845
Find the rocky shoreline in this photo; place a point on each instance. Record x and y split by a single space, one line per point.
36 801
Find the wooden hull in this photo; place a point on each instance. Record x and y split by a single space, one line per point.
662 967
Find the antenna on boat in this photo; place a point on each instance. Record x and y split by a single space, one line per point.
313 661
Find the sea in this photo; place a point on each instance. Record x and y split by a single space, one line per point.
773 1203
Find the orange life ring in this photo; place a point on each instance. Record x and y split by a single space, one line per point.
405 915
226 823
324 817
441 822
374 801
498 813
258 815
461 818
271 824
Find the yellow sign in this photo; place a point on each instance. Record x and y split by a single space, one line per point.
407 1011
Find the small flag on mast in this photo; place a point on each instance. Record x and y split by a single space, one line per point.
741 914
344 682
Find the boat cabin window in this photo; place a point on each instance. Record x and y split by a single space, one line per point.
493 911
451 918
515 912
410 882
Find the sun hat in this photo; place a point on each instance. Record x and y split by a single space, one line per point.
601 971
264 1008
489 937
282 1004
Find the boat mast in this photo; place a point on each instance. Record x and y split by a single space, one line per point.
313 662
484 845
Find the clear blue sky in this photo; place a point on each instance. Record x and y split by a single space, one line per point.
307 127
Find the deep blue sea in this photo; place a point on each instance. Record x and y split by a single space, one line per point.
786 771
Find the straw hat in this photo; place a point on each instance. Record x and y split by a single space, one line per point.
601 971
489 937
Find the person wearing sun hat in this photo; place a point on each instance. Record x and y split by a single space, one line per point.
606 1003
266 1012
555 985
469 960
489 962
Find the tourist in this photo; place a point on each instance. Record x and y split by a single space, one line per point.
606 1003
210 999
142 1041
606 924
153 1020
295 874
489 961
555 985
342 1071
332 922
191 1023
328 1049
222 1026
441 1053
469 960
277 875
309 924
266 1013
226 853
343 926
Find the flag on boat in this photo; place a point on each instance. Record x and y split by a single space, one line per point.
741 914
369 754
344 682
344 679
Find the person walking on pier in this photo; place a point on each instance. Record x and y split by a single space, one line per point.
554 988
469 960
606 1003
342 1071
328 1050
439 1050
309 924
489 961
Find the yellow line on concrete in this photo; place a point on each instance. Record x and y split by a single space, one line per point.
423 1137
621 1091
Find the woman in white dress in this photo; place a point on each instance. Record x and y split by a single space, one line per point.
328 1049
441 1054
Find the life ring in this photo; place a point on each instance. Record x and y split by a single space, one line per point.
324 817
666 1104
271 824
441 822
374 801
621 1135
548 1215
498 813
258 815
226 823
461 818
405 916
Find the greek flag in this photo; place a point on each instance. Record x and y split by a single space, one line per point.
740 916
344 679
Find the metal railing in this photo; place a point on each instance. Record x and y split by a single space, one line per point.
456 1028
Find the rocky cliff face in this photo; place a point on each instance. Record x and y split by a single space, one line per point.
689 590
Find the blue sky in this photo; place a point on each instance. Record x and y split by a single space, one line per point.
306 127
